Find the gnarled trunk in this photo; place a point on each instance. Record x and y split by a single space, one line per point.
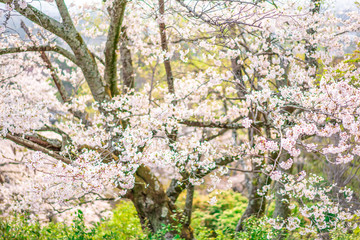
153 206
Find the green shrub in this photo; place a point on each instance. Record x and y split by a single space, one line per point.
161 234
218 221
124 225
255 228
21 229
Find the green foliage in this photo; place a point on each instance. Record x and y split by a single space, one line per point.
343 235
161 234
124 224
218 221
21 229
256 229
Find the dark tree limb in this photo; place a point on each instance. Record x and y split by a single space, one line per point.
165 48
34 144
191 123
57 81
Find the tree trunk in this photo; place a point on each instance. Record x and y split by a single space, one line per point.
282 201
282 210
282 204
126 62
153 206
256 205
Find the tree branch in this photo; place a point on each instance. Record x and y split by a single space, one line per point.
98 58
117 15
190 123
36 147
164 46
126 62
177 186
57 81
40 19
84 58
45 48
64 13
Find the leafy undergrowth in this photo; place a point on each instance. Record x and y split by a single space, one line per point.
124 224
217 221
210 222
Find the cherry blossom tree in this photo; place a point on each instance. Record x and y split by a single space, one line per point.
178 94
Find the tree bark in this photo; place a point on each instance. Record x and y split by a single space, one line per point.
126 62
67 32
153 206
311 48
282 201
117 15
165 48
256 205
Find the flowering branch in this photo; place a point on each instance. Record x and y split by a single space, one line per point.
191 123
